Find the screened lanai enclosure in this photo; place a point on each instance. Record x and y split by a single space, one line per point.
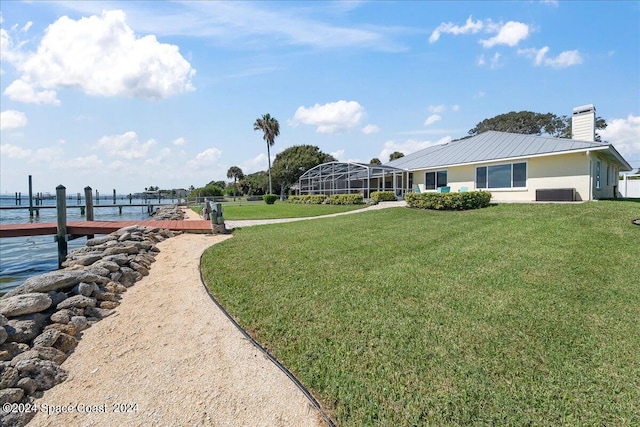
349 177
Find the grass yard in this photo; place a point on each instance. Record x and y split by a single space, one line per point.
510 315
260 210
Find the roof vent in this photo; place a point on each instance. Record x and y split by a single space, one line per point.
583 123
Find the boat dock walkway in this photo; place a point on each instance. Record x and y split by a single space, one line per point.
81 228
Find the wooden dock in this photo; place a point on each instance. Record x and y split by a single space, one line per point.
82 228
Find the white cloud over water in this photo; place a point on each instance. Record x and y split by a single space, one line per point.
126 145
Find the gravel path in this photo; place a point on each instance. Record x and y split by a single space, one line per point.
170 357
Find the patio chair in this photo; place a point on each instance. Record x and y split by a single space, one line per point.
444 189
417 189
463 189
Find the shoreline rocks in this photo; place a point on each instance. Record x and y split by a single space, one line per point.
173 212
41 320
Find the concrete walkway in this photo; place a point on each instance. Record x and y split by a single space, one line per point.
251 222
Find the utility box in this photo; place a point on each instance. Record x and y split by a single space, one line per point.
556 195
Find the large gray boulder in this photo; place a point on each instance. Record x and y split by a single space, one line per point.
79 301
24 304
55 280
25 328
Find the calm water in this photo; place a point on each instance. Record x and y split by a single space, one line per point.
23 257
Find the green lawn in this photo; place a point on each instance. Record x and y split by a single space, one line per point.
260 210
509 315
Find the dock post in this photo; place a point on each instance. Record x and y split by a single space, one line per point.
30 197
88 199
88 202
61 237
114 196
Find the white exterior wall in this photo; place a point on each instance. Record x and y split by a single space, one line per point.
608 183
559 171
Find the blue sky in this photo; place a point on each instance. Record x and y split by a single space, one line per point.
125 95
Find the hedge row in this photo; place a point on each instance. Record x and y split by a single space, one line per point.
308 199
383 196
335 199
449 201
345 199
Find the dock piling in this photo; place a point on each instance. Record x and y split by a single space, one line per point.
30 197
61 236
88 202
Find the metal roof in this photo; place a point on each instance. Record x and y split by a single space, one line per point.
353 169
492 145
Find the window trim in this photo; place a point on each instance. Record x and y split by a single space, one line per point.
435 176
511 187
598 174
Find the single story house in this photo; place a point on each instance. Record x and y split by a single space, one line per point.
512 166
516 167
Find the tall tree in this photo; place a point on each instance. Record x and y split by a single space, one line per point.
375 161
271 129
236 173
396 155
290 164
530 123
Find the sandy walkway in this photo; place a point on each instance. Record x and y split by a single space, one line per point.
173 357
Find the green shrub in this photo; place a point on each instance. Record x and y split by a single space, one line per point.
270 198
383 196
449 201
346 199
308 199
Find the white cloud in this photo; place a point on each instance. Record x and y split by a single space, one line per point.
126 145
436 108
206 159
338 154
624 134
470 27
407 147
495 60
455 107
258 163
369 129
333 117
563 60
509 34
432 119
12 119
102 56
83 165
179 141
21 91
10 151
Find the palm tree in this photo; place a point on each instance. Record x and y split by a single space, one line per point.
271 128
236 173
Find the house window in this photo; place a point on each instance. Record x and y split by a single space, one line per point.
410 180
511 175
608 174
434 180
598 171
